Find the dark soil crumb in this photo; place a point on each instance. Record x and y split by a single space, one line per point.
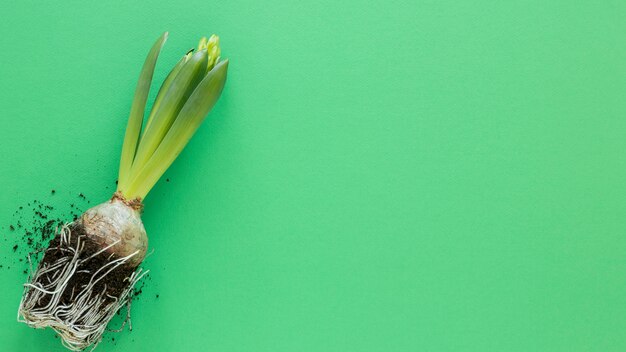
15 248
167 180
138 290
11 227
41 215
53 191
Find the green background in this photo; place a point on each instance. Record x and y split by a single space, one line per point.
377 176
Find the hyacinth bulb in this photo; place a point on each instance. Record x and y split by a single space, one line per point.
90 267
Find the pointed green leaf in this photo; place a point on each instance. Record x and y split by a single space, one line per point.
137 110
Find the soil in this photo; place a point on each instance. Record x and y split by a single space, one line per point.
34 225
114 283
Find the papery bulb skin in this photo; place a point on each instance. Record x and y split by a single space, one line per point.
116 221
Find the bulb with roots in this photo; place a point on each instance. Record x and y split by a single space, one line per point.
90 267
87 273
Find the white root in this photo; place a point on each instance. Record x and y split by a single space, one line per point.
82 322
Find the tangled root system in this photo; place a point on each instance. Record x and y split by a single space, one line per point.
77 288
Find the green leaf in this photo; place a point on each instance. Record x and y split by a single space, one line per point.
177 94
165 87
137 111
189 119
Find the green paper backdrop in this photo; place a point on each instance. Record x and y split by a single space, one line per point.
377 176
